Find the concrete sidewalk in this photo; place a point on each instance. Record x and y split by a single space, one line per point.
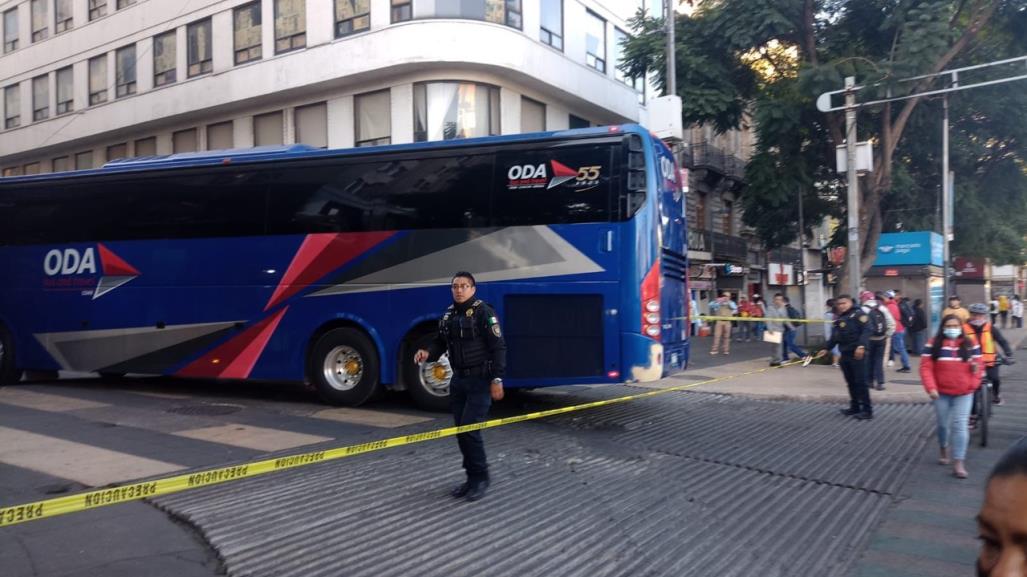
817 383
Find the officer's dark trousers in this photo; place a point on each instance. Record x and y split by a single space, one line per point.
874 360
856 378
469 400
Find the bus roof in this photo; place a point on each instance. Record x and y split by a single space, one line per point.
303 151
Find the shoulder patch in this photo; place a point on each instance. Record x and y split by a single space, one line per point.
863 318
496 331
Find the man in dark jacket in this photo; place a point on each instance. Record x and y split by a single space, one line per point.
851 333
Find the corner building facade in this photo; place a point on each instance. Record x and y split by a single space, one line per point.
84 82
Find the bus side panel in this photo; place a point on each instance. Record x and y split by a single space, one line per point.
673 259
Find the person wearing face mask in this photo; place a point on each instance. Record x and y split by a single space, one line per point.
950 369
1002 521
988 336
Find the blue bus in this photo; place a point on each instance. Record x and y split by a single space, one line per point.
331 267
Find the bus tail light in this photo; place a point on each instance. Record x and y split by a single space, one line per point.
651 302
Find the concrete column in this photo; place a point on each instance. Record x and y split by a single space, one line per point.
144 65
112 77
80 73
574 16
80 13
381 14
267 28
321 22
557 117
223 49
402 108
509 111
181 54
25 94
532 18
242 136
24 25
289 125
341 127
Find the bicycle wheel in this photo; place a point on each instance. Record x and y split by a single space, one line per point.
984 410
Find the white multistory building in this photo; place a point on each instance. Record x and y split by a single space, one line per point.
87 81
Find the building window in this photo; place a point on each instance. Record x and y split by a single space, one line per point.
311 123
355 16
84 160
595 41
12 171
64 19
164 59
116 151
98 79
146 146
40 29
402 10
12 106
448 110
32 168
40 98
125 62
619 38
198 47
577 122
290 25
219 136
11 30
729 221
533 115
373 118
125 3
268 129
61 164
247 33
507 12
551 29
185 141
65 90
97 9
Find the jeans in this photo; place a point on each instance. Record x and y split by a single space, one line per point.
875 362
1018 321
746 329
760 328
788 345
898 346
469 400
856 378
919 341
954 408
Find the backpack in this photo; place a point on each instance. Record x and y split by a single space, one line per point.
877 322
908 316
793 313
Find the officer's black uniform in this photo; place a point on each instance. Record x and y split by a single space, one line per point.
477 352
852 330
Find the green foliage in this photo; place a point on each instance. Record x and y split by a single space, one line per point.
719 64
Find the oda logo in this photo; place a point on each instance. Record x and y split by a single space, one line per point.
64 269
537 175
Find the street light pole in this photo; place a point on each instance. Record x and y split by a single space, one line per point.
855 271
946 192
672 85
802 269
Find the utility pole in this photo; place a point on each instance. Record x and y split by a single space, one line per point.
668 15
946 192
802 271
855 271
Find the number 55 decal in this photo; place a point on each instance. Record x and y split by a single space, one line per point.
588 173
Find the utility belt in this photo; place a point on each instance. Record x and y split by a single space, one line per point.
478 371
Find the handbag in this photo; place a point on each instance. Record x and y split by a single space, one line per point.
772 337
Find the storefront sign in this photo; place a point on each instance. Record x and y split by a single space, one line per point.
891 272
970 268
780 274
734 270
898 248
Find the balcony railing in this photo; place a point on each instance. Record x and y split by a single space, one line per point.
729 247
707 156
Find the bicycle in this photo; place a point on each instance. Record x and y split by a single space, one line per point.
982 410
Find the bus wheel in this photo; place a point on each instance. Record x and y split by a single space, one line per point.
344 367
8 374
428 383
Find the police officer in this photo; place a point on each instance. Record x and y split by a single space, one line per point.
470 331
851 333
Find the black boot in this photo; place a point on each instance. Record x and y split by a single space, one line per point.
461 490
477 490
850 412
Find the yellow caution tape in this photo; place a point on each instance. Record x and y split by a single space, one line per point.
16 514
763 319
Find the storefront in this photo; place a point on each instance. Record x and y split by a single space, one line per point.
911 262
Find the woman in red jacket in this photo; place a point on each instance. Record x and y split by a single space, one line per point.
951 366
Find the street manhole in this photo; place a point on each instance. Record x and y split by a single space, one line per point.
213 409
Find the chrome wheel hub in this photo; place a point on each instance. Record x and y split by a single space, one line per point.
343 368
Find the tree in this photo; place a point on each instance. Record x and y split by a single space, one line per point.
773 57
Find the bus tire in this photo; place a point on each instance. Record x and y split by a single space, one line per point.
344 367
9 375
427 383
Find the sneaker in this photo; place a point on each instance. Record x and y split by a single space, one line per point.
836 365
460 490
864 416
713 352
891 363
998 400
807 360
879 387
903 370
775 363
850 412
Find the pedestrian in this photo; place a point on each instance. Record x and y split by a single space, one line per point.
956 308
918 329
1017 311
777 314
1002 521
882 327
988 336
898 338
469 331
759 310
830 314
851 335
696 318
791 330
1003 310
993 310
906 309
950 369
722 307
746 310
